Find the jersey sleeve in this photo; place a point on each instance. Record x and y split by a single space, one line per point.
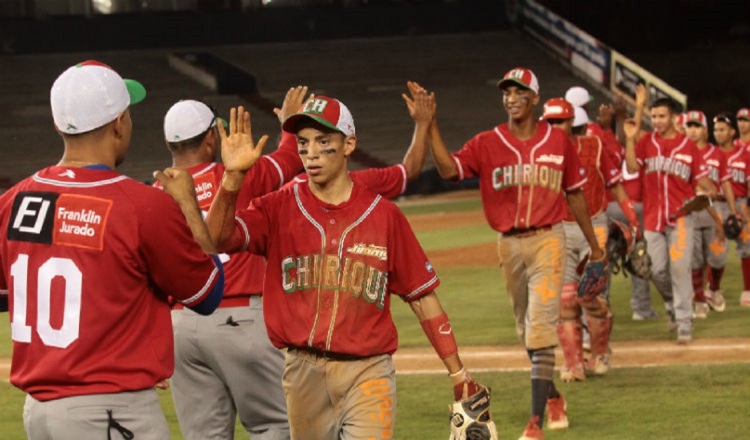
611 172
252 227
411 275
640 149
467 159
390 182
575 175
700 168
176 263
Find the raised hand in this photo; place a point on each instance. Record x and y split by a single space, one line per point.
178 184
238 151
641 95
293 100
421 104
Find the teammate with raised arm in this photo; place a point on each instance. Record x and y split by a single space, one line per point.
87 255
672 167
529 176
336 253
391 182
226 358
602 176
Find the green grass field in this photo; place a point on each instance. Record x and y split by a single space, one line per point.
676 402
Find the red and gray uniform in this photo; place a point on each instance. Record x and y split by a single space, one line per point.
226 357
601 174
738 161
330 274
632 183
390 182
670 168
707 249
99 232
523 186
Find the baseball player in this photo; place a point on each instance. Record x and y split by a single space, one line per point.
640 298
601 175
86 254
529 176
672 166
737 163
391 182
226 358
743 126
336 252
709 227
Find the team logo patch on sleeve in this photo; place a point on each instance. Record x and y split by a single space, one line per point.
59 219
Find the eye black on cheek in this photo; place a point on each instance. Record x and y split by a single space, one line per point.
302 152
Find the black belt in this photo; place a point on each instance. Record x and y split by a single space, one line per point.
526 232
330 355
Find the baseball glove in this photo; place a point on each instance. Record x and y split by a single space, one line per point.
733 227
638 261
593 279
620 243
697 203
471 418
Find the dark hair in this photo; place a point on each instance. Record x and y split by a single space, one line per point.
579 130
727 118
667 102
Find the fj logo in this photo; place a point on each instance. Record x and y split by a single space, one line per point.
36 209
32 217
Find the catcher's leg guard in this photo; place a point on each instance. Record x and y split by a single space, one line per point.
570 334
599 323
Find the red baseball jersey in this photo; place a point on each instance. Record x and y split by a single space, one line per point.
331 269
390 182
670 169
601 173
87 256
737 162
740 143
716 164
243 272
522 183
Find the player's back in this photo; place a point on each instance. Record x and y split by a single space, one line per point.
85 254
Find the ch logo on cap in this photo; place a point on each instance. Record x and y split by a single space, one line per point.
515 73
315 106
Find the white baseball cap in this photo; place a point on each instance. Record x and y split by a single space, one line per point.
578 96
581 118
326 111
187 119
89 95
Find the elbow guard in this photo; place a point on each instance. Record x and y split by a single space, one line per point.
440 334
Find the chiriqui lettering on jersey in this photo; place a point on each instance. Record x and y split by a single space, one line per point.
527 175
668 165
352 275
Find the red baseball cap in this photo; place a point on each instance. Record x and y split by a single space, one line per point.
743 113
558 108
326 111
696 117
520 76
681 119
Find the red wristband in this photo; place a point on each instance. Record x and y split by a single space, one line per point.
627 209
